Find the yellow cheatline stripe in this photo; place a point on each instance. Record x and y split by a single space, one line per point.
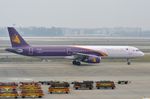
101 53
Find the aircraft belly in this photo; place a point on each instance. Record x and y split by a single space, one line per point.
51 57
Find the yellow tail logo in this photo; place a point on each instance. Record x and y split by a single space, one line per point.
15 39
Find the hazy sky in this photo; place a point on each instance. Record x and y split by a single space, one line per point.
76 13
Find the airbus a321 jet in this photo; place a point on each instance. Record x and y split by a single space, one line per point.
87 54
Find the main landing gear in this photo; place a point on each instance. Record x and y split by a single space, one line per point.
128 61
76 62
44 60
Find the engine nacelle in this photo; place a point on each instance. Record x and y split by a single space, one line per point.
92 59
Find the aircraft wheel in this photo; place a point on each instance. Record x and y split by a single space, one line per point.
76 62
129 63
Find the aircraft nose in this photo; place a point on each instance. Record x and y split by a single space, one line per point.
141 53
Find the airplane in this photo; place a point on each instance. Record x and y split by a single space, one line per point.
78 54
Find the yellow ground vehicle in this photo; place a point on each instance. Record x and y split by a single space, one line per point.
105 84
9 94
29 85
59 87
31 89
8 89
8 86
59 90
32 93
83 85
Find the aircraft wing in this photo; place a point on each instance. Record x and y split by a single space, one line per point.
80 56
87 58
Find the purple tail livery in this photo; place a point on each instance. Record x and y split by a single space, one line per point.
16 39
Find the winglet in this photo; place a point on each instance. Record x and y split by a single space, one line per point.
16 39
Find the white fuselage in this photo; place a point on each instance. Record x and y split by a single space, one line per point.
117 51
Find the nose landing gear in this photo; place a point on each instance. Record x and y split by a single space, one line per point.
128 61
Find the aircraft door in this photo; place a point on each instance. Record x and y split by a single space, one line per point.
30 51
69 51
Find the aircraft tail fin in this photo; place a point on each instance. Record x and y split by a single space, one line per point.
16 39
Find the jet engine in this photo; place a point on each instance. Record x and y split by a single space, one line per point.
92 59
